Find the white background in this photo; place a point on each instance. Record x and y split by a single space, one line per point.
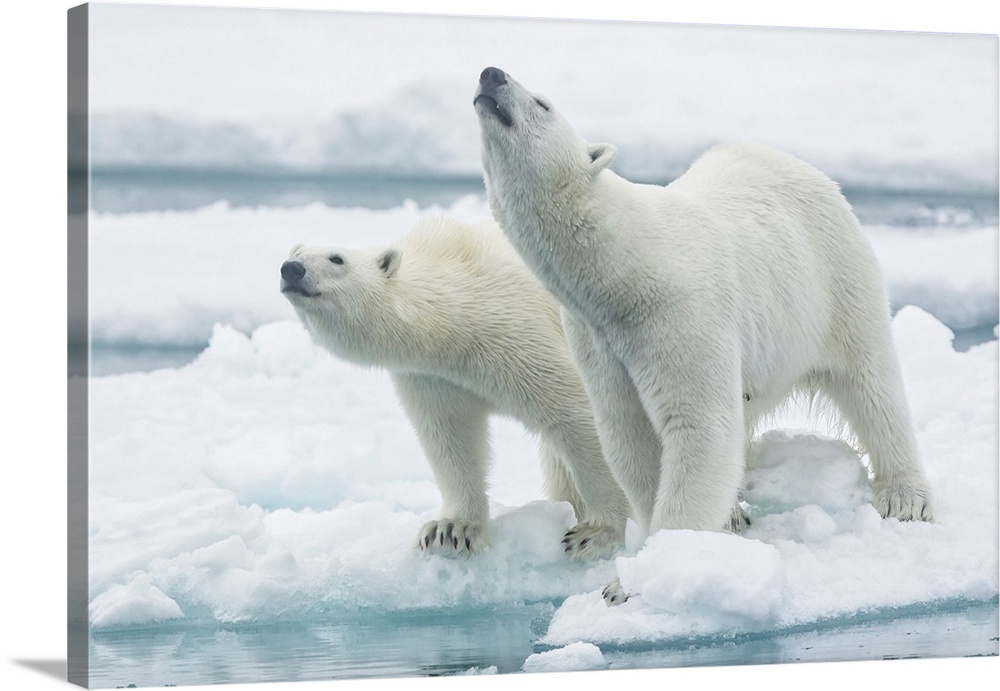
32 612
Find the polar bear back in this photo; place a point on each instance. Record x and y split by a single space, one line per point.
754 188
463 264
724 235
472 281
776 211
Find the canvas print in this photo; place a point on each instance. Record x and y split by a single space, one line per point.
435 345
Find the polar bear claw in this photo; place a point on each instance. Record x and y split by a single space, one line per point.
590 541
452 538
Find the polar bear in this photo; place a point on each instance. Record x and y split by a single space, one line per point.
465 331
696 308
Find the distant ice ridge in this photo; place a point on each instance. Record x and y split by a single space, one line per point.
418 131
269 482
422 133
887 134
952 275
167 277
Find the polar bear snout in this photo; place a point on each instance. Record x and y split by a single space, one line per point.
488 96
493 76
293 271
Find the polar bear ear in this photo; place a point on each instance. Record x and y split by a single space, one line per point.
600 156
388 262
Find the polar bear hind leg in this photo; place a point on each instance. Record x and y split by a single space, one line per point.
600 528
558 483
868 390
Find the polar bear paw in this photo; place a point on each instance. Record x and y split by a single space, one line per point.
589 541
450 537
903 502
614 594
739 520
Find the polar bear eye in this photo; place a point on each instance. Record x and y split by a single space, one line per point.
541 103
336 259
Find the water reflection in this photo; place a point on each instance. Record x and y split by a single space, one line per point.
431 644
385 646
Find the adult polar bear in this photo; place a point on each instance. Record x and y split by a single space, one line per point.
696 308
465 331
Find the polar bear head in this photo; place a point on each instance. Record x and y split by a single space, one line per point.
527 144
341 295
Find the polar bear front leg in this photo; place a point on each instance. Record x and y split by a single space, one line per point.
451 425
695 404
630 445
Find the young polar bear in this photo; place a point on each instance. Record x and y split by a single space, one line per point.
465 331
696 308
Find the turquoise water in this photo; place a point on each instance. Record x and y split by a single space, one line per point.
375 645
445 643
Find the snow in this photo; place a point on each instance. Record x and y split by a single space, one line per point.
476 671
575 657
138 602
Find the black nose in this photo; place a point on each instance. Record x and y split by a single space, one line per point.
493 75
292 271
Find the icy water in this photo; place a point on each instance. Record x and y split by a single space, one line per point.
434 644
446 642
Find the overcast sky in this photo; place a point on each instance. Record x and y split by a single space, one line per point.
234 63
870 94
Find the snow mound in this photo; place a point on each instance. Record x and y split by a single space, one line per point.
138 602
575 657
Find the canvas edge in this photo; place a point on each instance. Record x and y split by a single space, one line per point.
78 362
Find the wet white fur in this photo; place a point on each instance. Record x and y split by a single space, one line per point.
466 331
747 277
